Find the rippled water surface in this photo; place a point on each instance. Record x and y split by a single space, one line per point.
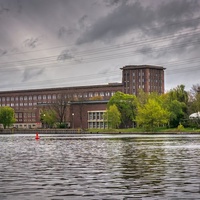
99 167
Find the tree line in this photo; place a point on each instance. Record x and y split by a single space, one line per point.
148 111
152 110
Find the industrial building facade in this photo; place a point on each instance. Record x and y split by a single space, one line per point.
86 104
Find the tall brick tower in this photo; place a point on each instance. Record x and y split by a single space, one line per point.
148 78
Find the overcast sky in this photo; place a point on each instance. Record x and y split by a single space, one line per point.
57 43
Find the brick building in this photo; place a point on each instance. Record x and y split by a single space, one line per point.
83 110
146 77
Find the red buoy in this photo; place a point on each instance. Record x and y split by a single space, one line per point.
37 136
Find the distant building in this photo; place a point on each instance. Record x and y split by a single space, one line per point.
86 104
142 77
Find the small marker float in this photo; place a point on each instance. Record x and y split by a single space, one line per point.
37 136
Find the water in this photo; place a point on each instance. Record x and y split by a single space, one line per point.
107 167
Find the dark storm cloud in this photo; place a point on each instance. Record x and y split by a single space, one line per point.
31 73
176 16
137 17
34 29
124 18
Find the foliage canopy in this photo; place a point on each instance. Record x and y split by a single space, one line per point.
7 116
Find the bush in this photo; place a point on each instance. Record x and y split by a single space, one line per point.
180 127
62 125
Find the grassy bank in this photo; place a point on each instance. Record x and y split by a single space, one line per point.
140 130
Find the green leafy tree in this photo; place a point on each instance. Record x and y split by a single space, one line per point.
182 96
194 103
142 97
7 116
49 117
113 117
176 109
126 105
151 115
179 94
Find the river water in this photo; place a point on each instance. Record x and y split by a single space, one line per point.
94 167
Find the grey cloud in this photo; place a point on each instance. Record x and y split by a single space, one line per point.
137 17
82 22
62 32
177 9
123 19
65 31
3 9
19 6
104 71
3 52
65 55
145 50
10 7
114 2
173 16
31 73
183 47
180 45
32 42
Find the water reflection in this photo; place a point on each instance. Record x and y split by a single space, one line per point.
99 167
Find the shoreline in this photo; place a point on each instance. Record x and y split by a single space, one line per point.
46 132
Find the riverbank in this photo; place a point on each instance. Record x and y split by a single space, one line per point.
99 131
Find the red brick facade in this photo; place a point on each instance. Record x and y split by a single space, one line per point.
28 103
143 77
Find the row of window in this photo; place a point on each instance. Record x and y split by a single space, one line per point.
143 80
18 104
95 115
19 115
96 120
24 120
99 125
56 96
141 73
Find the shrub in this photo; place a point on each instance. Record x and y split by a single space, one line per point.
180 127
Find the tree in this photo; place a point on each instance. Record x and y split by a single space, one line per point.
60 108
7 116
176 109
194 91
126 105
182 96
152 115
113 117
179 94
194 104
142 97
48 117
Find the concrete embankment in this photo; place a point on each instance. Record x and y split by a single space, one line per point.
80 131
41 131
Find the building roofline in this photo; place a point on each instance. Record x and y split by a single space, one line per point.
62 88
78 102
89 102
142 67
